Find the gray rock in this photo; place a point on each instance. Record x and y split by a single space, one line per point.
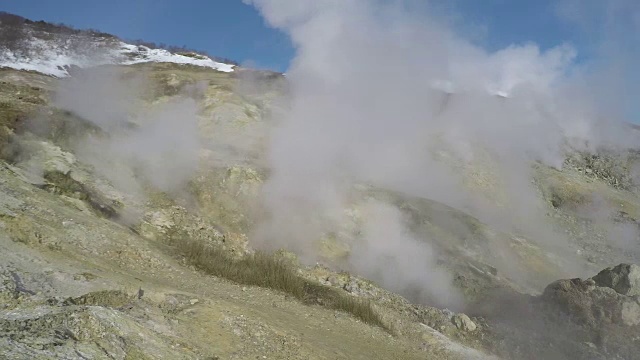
630 312
585 302
463 322
335 281
624 279
609 298
352 287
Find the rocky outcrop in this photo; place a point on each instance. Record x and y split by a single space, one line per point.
105 324
604 309
463 322
624 279
589 304
609 298
609 166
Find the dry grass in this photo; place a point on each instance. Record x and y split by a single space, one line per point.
267 271
64 184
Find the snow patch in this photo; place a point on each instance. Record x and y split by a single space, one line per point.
55 57
141 54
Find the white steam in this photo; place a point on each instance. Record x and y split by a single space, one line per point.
393 256
379 94
156 145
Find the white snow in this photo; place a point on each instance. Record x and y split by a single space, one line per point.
54 67
144 54
55 57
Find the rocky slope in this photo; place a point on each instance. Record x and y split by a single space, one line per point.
93 231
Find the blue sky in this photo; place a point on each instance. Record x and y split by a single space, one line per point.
229 28
226 28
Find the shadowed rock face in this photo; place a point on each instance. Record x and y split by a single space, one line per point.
593 305
572 319
624 279
609 298
605 308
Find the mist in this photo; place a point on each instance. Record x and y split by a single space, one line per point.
139 144
381 94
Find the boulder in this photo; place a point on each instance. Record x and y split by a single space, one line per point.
463 322
624 279
601 301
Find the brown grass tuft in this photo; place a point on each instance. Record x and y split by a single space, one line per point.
264 270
